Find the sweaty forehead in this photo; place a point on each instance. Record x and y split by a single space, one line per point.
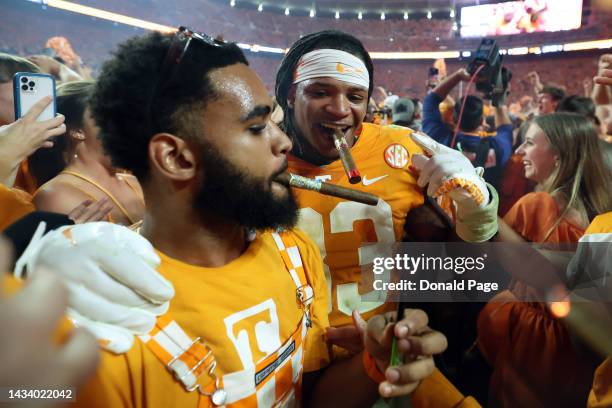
239 86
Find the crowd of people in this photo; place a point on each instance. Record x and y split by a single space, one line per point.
161 260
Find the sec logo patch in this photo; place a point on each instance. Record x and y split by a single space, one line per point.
396 156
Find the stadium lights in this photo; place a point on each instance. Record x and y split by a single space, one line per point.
382 15
312 13
405 15
455 26
414 55
107 15
452 13
337 15
429 14
287 11
148 25
260 7
233 3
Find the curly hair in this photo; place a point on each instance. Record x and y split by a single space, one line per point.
130 106
333 39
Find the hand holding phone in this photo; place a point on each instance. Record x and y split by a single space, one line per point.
23 137
30 88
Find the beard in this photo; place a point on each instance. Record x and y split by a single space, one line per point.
232 193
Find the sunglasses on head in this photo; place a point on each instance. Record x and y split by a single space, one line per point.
178 48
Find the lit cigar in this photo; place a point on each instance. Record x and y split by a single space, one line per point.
305 183
346 157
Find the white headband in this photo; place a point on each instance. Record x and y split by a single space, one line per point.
331 63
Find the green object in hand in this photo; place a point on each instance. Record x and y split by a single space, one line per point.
397 358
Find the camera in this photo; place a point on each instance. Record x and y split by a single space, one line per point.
493 79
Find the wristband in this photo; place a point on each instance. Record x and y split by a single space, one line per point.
481 224
371 369
461 183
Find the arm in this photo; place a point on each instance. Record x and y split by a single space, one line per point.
58 197
55 68
501 116
433 124
534 78
505 233
345 383
450 82
24 136
602 92
429 223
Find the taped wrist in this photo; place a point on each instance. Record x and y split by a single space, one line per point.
479 224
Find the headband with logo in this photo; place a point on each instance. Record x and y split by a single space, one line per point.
332 63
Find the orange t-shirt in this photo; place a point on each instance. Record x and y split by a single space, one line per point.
243 311
14 204
534 214
341 228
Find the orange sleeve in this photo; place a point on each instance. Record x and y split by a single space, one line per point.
532 216
437 392
25 180
14 204
535 214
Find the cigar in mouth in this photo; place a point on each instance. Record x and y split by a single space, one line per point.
322 187
345 156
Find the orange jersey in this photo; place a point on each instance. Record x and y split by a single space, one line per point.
602 224
601 393
341 228
242 311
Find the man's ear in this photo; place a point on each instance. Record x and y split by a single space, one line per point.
172 157
291 97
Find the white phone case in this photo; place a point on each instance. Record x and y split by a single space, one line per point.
28 89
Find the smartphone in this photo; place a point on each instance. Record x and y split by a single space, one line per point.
28 89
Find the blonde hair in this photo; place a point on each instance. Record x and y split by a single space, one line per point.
11 64
581 176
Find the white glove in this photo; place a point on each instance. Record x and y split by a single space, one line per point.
444 165
110 271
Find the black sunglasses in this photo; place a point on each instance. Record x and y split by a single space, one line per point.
178 48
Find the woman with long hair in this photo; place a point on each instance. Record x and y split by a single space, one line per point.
534 360
76 168
562 155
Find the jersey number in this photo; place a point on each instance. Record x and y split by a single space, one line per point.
341 219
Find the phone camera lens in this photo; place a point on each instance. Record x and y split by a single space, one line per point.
24 79
31 83
24 87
